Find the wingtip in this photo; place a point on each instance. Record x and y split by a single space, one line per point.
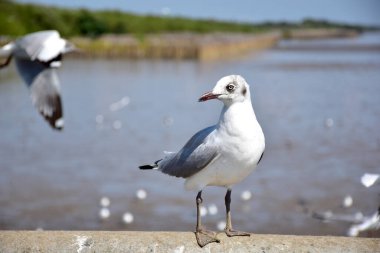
150 166
58 128
146 167
59 123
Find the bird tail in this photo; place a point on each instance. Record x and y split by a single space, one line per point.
150 166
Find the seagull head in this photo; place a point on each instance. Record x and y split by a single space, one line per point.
69 47
229 89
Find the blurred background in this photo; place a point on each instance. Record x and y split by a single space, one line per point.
315 89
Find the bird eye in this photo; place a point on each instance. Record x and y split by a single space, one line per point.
230 87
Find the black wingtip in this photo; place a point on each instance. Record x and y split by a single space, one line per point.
55 120
58 129
6 62
149 166
55 124
146 167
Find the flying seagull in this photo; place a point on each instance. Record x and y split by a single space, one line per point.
37 56
219 155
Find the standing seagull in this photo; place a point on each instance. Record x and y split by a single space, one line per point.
219 155
37 55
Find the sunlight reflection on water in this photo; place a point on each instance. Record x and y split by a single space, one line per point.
55 180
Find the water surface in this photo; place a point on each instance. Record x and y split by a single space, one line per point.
320 112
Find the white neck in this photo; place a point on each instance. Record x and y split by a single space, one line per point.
238 116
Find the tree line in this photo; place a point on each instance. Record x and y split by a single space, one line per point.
18 19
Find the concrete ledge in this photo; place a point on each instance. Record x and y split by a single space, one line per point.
178 242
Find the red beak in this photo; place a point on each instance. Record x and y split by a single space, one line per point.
208 96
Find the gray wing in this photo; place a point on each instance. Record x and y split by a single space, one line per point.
192 158
44 89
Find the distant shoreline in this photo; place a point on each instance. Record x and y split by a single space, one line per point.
118 34
208 46
198 46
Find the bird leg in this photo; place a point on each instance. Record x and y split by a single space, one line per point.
203 236
228 230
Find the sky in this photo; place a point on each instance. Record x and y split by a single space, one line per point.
365 12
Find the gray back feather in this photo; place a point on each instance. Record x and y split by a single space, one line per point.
192 158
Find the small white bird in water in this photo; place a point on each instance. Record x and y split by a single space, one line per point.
37 55
219 155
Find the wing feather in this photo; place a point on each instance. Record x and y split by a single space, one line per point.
43 46
44 90
193 157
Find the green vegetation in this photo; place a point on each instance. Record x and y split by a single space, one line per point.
18 19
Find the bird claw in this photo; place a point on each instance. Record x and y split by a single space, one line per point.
205 237
231 232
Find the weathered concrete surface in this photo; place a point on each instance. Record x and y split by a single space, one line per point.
178 242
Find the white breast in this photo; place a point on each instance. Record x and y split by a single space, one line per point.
240 142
